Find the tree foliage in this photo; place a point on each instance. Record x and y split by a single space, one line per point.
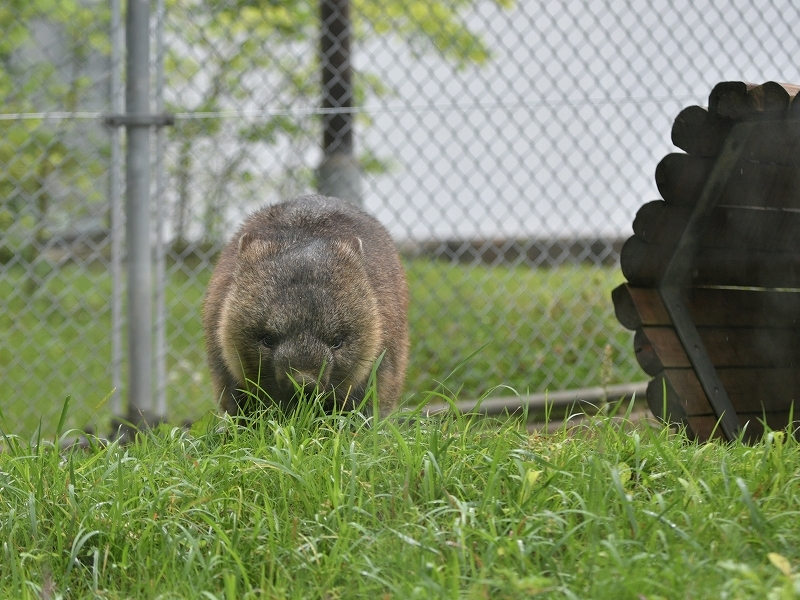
45 46
259 59
255 60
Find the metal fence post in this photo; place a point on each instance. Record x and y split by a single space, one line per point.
339 173
115 205
160 367
137 208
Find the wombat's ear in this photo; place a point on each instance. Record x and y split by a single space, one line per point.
352 246
252 244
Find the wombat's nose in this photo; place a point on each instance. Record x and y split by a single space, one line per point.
305 382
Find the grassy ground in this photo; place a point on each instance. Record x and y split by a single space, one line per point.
308 506
537 329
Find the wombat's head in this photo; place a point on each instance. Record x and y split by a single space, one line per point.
301 313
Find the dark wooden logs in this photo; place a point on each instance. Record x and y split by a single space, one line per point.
771 98
664 402
646 354
733 227
728 99
699 133
644 264
658 348
770 390
740 100
743 294
705 427
634 306
680 179
708 307
752 337
667 402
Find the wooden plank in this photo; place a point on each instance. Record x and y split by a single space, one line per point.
729 227
771 99
700 428
668 406
634 306
741 100
749 389
794 109
659 347
704 429
708 307
624 308
699 133
774 142
728 99
644 265
646 354
680 179
664 402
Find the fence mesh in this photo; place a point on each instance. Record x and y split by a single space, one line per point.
54 170
505 144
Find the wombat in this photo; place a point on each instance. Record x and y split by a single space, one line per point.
310 291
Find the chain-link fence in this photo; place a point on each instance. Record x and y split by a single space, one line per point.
506 145
55 288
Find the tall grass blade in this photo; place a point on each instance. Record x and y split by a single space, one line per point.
756 517
62 419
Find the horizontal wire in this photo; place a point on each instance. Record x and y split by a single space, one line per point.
58 116
396 108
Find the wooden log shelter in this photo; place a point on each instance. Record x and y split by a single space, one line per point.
713 267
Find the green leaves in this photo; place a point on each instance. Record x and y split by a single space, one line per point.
46 161
268 131
436 26
227 48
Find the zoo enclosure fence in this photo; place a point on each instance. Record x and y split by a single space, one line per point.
505 144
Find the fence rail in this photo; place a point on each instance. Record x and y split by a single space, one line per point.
506 144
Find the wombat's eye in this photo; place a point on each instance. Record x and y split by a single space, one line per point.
337 343
268 340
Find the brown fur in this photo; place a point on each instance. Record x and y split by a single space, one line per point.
310 290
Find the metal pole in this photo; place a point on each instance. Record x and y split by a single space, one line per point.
161 277
116 212
137 209
339 173
547 400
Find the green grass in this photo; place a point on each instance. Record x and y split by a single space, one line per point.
536 329
308 506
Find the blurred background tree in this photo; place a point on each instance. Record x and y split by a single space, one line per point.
48 51
224 54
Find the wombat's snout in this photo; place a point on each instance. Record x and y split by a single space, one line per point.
304 364
295 380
